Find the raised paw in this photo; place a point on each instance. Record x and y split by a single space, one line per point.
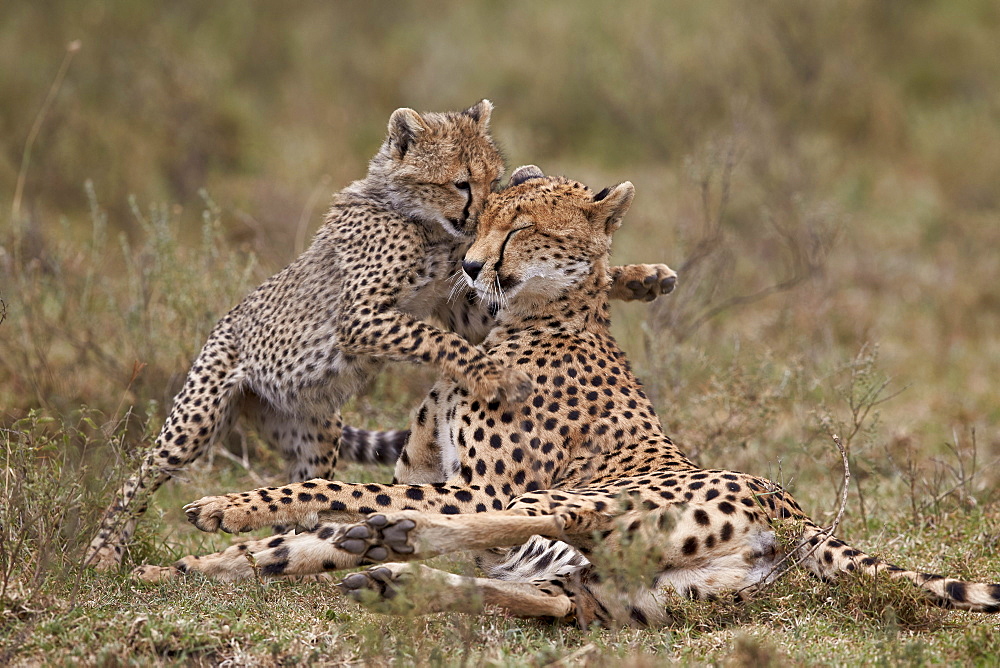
154 574
377 538
642 281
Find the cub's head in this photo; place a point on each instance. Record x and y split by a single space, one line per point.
439 167
542 237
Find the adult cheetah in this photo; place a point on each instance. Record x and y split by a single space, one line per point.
294 350
565 482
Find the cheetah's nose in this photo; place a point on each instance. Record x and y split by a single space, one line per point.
472 268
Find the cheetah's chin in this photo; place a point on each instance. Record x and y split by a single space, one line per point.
497 302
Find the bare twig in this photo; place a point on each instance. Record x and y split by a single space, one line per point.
806 242
322 188
712 222
243 461
962 476
573 657
743 300
954 488
796 556
845 485
71 49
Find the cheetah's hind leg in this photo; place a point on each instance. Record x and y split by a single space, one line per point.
429 590
203 412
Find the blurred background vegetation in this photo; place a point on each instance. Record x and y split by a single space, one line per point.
860 141
825 176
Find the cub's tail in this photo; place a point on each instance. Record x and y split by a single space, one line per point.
372 447
827 557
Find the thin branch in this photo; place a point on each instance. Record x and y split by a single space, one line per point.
742 300
951 490
241 461
71 49
322 188
843 494
712 224
796 556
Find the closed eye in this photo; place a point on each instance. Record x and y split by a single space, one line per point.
503 246
462 185
517 229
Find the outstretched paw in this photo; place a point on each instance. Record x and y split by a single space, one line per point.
226 513
643 282
377 538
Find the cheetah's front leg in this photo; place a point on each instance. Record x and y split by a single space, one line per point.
304 504
401 536
403 338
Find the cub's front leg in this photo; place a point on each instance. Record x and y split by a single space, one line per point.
401 337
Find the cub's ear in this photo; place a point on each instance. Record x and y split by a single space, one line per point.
480 112
404 126
610 205
522 174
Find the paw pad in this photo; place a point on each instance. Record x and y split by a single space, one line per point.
376 537
380 580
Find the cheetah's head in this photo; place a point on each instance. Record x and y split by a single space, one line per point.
541 237
439 167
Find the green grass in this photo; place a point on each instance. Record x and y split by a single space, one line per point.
81 616
824 175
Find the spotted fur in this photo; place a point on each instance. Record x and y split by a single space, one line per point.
555 493
294 350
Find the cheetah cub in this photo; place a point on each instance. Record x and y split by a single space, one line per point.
294 350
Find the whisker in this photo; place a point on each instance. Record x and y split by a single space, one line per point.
494 297
501 297
458 286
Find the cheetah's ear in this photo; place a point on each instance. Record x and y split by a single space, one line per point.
480 112
404 126
610 205
522 174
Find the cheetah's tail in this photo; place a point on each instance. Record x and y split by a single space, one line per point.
826 556
369 447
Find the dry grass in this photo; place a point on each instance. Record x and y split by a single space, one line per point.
823 174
